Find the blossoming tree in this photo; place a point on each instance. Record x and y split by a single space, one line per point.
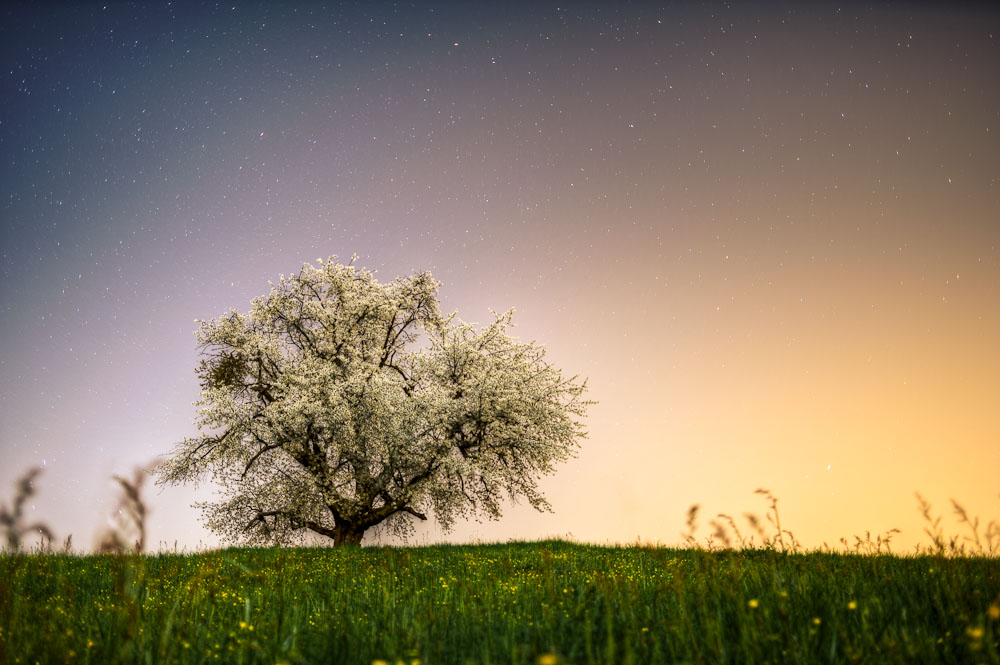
339 404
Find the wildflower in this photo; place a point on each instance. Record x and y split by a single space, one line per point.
753 602
852 605
90 643
380 662
975 633
994 611
816 621
548 659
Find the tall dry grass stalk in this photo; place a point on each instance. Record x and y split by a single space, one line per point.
13 520
692 524
127 531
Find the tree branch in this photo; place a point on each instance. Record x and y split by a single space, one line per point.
418 515
257 456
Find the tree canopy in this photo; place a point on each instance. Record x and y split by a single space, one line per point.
339 404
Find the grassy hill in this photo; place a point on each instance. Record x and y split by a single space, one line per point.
539 603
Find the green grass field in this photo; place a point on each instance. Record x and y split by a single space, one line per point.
527 603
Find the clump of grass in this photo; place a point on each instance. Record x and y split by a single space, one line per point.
881 544
13 520
726 535
720 536
974 545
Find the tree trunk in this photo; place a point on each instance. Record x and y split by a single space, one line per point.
347 534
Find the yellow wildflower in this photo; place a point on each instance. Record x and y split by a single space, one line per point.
753 602
975 633
548 659
852 605
817 621
994 611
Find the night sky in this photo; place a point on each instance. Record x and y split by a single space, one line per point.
767 233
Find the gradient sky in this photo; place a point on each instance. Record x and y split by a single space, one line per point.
767 233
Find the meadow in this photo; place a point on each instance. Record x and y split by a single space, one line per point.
530 603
